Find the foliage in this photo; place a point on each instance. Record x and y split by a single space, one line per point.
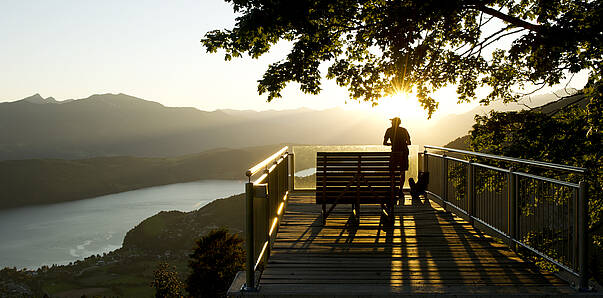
569 136
376 48
214 263
166 282
19 283
174 231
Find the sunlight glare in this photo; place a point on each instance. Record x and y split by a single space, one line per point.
403 105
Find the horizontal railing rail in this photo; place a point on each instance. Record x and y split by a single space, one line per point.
265 203
542 215
512 159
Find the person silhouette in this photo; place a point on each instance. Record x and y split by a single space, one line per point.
398 138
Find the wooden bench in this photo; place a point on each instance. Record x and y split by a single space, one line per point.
356 178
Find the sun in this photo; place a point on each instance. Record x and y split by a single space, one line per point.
403 105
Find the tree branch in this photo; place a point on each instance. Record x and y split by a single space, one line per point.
487 39
507 18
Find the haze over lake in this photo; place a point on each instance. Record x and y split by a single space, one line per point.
65 232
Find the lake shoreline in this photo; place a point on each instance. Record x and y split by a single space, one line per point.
95 225
131 266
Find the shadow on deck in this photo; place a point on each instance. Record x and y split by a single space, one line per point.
428 251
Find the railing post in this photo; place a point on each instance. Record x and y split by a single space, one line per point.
291 172
512 212
583 235
470 192
576 230
249 241
425 162
445 181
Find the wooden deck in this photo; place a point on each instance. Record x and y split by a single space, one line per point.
427 252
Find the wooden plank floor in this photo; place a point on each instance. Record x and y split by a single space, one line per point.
428 251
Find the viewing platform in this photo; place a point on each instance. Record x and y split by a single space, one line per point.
428 251
427 246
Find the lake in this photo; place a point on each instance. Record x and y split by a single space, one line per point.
64 232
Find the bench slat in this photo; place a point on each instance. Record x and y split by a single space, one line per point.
355 178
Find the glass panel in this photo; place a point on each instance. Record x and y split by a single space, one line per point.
305 161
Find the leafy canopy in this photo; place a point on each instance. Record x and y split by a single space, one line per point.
217 258
378 47
166 282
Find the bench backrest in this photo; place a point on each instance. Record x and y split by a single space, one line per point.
365 176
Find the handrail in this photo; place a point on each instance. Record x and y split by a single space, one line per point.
513 159
265 162
265 202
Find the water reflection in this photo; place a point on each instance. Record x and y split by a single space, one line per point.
64 232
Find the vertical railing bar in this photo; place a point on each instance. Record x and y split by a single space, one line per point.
272 198
482 199
557 207
499 203
491 206
497 211
562 216
547 216
534 204
291 185
551 216
518 212
517 209
542 222
485 198
561 222
543 219
576 231
425 167
511 189
445 181
565 226
469 192
530 221
249 241
550 220
504 203
357 203
502 199
583 236
494 203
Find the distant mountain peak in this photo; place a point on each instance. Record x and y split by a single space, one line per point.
38 99
118 99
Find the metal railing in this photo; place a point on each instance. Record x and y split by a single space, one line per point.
545 216
265 203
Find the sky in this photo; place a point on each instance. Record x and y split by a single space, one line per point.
150 49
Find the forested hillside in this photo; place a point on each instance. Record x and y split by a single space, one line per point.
37 181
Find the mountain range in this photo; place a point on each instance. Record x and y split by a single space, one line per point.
123 125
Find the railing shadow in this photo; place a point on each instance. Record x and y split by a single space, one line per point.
313 230
482 257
